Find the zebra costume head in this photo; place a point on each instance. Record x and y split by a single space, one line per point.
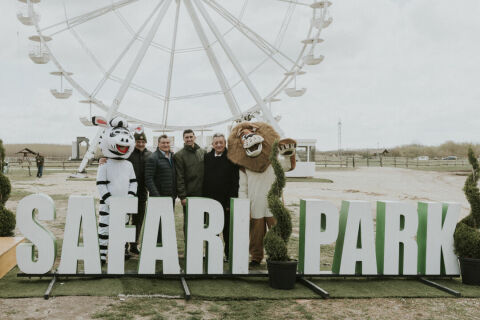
116 140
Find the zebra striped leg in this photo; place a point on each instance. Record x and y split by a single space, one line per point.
103 226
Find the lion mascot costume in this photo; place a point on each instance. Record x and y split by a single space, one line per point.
116 177
250 145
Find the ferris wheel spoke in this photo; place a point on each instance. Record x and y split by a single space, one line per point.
138 59
88 51
170 66
251 88
229 97
139 88
285 23
295 2
165 48
269 49
80 19
138 37
108 74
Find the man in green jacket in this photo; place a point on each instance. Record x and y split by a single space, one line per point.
189 169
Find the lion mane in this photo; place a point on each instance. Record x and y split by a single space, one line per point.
236 152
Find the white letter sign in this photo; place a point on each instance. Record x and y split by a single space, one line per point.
197 233
239 235
39 236
397 225
159 209
80 211
355 247
437 224
318 225
120 234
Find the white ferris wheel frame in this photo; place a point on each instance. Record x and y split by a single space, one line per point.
270 50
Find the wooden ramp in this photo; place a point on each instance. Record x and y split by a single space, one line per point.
8 257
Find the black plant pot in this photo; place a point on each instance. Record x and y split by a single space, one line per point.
282 274
470 269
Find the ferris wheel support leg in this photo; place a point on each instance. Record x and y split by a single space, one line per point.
228 51
90 153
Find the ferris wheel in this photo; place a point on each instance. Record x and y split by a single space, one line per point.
175 64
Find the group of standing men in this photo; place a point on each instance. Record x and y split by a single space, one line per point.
191 172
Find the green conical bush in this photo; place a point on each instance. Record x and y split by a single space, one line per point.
277 237
5 188
467 232
7 222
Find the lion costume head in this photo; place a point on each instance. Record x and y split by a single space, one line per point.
250 144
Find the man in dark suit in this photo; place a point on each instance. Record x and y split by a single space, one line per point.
220 180
160 173
138 159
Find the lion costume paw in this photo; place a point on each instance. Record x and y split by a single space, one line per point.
287 147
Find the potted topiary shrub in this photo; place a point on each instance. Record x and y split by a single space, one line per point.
7 225
467 232
281 270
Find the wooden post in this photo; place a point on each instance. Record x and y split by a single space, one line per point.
395 162
406 163
381 161
353 161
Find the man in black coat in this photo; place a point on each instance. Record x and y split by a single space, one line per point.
220 181
160 173
138 158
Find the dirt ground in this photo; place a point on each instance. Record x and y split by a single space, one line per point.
369 184
152 308
372 184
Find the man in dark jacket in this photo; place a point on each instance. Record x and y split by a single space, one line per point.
160 173
138 159
220 181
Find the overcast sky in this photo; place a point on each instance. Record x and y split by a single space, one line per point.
396 72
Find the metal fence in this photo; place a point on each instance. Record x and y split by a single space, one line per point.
397 162
52 163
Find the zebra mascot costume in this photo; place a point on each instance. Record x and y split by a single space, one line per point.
116 177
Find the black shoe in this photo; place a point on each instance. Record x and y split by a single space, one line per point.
254 263
134 250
